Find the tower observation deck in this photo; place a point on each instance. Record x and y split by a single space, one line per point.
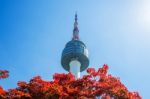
74 57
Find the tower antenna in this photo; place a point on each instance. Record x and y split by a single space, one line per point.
76 30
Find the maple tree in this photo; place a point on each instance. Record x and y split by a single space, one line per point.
65 86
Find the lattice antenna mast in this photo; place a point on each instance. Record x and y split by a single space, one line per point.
76 30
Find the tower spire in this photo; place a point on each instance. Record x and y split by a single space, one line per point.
76 30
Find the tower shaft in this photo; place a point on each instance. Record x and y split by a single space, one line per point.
75 68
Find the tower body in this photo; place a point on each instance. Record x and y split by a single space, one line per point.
75 54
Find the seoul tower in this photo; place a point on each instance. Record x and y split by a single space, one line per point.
74 57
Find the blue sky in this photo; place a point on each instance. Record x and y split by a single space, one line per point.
34 33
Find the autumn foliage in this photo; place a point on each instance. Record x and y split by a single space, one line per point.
65 86
3 74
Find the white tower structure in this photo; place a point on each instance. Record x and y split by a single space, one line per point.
75 54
